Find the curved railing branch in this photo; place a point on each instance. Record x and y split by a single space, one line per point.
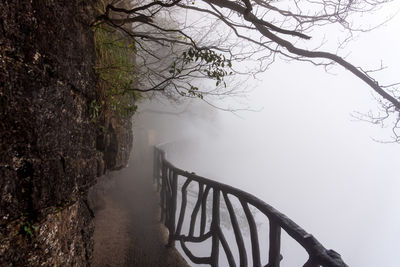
166 177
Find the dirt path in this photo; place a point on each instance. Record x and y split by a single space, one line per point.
127 230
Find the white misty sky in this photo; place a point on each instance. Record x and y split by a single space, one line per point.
304 154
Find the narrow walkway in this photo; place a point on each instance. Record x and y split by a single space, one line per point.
127 228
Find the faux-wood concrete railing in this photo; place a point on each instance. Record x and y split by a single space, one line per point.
166 177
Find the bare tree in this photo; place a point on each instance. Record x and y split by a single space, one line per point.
182 42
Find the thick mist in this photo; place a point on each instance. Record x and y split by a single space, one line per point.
303 152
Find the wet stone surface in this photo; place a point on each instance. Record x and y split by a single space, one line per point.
49 156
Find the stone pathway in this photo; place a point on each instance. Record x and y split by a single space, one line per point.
127 228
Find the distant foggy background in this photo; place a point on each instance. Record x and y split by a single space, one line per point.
302 152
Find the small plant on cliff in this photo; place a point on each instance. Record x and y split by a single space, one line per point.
28 228
115 67
94 109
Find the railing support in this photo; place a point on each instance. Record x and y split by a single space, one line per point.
274 244
171 225
214 228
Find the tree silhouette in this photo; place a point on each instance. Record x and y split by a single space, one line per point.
180 43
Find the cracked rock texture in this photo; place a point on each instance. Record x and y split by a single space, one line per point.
50 150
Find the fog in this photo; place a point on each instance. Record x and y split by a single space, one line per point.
303 152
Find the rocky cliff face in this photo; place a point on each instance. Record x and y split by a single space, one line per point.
50 150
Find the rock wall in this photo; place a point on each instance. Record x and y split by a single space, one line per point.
50 150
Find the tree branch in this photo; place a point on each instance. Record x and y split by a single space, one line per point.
262 28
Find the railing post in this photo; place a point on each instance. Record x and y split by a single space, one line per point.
155 166
311 263
237 232
163 192
172 210
214 228
255 246
274 244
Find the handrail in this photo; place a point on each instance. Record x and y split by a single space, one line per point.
166 177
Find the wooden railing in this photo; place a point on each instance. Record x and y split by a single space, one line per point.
166 177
